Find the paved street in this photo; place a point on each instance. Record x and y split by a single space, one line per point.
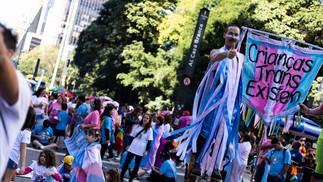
32 154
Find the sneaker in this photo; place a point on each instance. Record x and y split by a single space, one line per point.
196 170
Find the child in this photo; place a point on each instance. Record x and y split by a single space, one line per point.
43 134
65 168
63 120
20 147
112 175
167 171
107 135
44 168
87 164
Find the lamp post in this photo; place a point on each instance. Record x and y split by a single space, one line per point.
66 35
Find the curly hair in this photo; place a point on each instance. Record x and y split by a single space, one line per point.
50 158
113 175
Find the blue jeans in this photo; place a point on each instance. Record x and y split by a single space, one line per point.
275 178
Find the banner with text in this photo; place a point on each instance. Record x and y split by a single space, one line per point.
277 75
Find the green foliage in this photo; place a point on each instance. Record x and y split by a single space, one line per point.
47 56
136 50
300 19
317 93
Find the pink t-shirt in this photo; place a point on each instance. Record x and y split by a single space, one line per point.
54 111
93 118
184 121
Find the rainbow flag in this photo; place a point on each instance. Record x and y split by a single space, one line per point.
277 75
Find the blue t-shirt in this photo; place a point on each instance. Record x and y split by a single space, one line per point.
168 168
277 162
107 124
296 156
38 130
64 120
82 111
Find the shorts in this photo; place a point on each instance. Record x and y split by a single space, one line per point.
12 164
53 126
60 133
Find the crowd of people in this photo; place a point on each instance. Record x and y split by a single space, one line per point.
98 128
113 131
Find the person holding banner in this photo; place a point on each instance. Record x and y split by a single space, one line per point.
14 97
318 173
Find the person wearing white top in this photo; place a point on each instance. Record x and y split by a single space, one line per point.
14 97
19 148
141 137
240 164
40 103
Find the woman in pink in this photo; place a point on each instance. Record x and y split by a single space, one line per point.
92 121
53 111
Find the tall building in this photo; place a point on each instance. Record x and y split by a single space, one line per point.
69 21
59 23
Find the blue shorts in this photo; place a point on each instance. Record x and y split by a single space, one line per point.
12 164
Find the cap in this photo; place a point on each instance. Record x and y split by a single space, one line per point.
186 113
68 159
115 103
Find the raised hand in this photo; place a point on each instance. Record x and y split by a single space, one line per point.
232 52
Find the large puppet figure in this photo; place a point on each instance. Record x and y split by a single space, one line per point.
213 133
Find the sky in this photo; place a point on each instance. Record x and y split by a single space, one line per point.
11 10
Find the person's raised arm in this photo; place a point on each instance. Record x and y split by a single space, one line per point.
8 77
318 111
216 55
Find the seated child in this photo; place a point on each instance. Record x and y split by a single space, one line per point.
43 133
65 168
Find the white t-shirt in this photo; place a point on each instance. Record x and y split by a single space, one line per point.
23 137
12 117
39 171
244 149
139 144
167 128
37 100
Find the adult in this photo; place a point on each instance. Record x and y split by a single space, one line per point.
158 130
225 63
14 97
279 159
53 111
82 110
40 103
139 144
296 156
92 121
240 165
318 174
129 122
262 166
184 120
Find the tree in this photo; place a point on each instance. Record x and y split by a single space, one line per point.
47 56
99 56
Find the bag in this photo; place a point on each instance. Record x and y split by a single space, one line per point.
260 169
